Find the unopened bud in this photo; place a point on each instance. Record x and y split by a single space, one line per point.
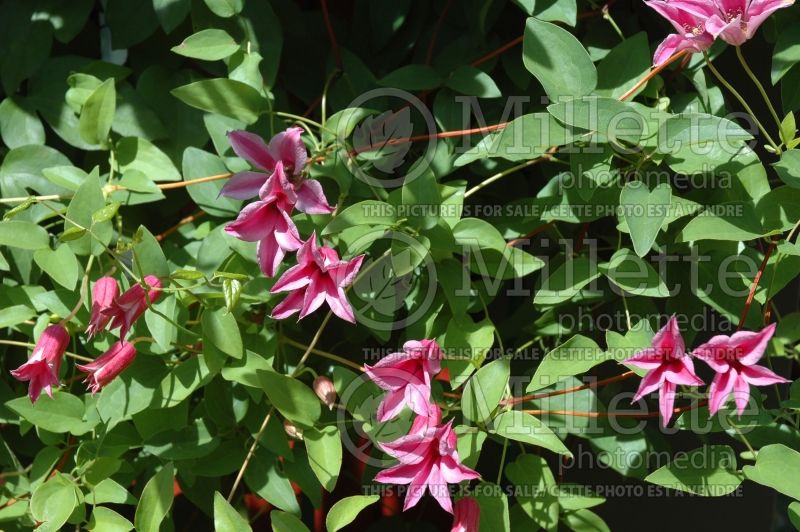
326 391
294 432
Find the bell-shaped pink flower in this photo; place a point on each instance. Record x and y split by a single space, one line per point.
734 359
128 307
267 222
325 390
406 376
429 461
107 366
466 515
320 276
688 18
734 21
41 369
103 294
668 366
286 149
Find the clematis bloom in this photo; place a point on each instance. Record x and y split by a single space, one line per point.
128 307
688 18
320 276
668 366
267 222
285 150
734 359
734 21
466 515
103 294
428 461
406 376
107 366
41 369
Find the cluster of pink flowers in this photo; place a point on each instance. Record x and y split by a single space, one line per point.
109 310
320 275
733 358
699 22
428 454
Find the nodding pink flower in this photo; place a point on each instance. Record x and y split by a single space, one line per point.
689 19
287 150
734 359
128 307
320 276
406 376
668 366
325 390
103 294
267 222
42 367
107 366
429 461
734 21
466 515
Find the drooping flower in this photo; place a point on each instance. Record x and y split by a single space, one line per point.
406 376
103 294
688 18
466 515
287 150
428 461
267 222
42 367
325 390
734 359
734 21
128 307
320 276
668 366
107 366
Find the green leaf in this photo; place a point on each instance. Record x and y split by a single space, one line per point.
788 168
53 502
773 462
291 397
227 97
19 124
567 281
644 212
608 118
63 413
135 153
226 519
23 235
585 521
576 356
263 477
520 426
155 501
171 13
324 448
61 265
794 514
88 200
624 66
709 471
368 212
539 500
634 275
413 78
225 8
346 510
14 315
149 258
97 113
473 82
23 167
107 520
544 48
221 329
199 163
208 45
286 522
485 390
786 53
788 129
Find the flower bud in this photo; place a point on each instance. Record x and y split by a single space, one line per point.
292 430
326 391
466 515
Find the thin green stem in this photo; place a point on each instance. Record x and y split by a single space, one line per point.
761 89
743 102
500 175
502 462
27 344
323 354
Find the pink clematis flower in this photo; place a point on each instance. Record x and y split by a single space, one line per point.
669 366
42 367
466 515
428 461
734 359
319 277
128 307
103 294
688 18
734 21
406 376
267 222
107 366
285 150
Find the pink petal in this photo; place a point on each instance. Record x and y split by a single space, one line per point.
311 199
741 393
252 149
650 383
399 474
244 185
288 147
254 222
455 472
682 372
720 389
715 352
440 489
646 359
270 255
294 278
750 346
666 402
392 404
761 376
417 398
314 298
293 303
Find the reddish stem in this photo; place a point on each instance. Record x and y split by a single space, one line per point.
612 414
756 280
337 54
533 397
